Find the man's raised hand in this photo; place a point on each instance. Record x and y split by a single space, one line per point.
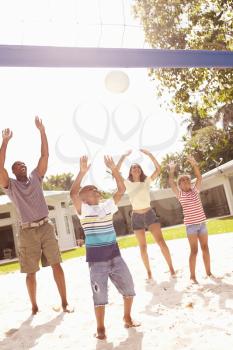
7 135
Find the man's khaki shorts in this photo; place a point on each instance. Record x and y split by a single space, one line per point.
38 243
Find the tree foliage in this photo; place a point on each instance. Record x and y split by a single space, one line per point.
210 146
205 95
63 182
190 24
59 182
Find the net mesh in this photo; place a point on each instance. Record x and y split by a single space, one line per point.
78 23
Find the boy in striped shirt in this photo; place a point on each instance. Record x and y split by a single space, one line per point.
194 216
102 251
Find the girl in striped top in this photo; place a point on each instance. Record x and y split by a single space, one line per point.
194 216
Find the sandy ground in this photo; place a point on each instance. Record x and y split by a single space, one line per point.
174 314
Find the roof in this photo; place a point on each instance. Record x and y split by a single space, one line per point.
159 193
226 168
4 199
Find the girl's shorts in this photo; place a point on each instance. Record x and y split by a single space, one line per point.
199 229
143 221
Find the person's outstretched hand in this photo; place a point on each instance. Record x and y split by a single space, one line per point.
39 123
84 167
7 135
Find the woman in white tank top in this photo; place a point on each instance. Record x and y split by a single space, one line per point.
143 216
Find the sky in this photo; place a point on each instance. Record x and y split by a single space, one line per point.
81 115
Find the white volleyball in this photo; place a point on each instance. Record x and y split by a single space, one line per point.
117 81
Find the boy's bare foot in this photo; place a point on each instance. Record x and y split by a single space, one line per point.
129 323
35 310
100 334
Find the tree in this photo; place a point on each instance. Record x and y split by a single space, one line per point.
190 24
210 146
59 182
196 122
63 182
178 159
225 116
106 195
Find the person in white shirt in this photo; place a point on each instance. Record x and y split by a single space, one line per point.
143 216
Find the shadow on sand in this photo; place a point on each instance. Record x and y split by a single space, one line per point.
133 342
27 334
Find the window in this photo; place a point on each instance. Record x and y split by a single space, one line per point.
55 225
5 215
215 202
78 230
67 225
168 210
231 183
51 207
7 245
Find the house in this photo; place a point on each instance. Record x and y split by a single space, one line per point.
216 195
59 212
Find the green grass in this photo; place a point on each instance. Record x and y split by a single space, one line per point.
215 226
10 267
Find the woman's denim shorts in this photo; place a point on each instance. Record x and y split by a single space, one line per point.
143 221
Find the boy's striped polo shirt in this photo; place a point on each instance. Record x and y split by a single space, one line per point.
96 220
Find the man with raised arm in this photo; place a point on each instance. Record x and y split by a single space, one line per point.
37 234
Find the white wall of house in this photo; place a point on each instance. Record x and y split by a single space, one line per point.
63 219
61 215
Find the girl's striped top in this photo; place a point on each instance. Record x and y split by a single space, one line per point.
96 220
192 207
